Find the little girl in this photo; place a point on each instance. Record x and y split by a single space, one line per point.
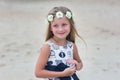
59 58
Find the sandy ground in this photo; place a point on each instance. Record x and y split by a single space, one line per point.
23 27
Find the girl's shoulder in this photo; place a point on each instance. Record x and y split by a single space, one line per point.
70 42
48 42
45 45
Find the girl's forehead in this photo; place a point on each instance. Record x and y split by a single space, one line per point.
58 20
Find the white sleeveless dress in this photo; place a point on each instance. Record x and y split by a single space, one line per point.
59 54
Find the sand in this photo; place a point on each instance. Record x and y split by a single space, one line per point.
22 33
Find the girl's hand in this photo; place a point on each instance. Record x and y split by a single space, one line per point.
73 63
69 71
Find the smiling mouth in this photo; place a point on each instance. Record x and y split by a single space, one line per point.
61 33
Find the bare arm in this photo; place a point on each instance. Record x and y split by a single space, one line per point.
79 63
40 71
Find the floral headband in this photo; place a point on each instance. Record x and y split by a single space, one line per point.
59 14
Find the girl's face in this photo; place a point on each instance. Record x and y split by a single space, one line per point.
60 27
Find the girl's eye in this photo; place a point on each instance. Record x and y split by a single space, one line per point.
55 25
64 24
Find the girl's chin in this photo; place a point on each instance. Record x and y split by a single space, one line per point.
62 37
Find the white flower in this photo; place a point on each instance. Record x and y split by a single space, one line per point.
59 14
68 14
50 18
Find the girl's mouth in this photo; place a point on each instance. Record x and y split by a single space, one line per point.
61 33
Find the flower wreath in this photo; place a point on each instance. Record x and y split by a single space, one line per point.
59 14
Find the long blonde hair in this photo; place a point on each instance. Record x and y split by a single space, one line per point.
73 31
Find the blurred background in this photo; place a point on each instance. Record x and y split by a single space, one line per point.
23 27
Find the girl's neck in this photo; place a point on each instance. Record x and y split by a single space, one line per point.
58 41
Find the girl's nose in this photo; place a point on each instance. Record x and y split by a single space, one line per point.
60 28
